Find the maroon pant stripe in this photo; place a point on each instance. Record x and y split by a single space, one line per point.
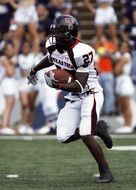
93 118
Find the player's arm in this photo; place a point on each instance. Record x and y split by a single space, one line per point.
44 63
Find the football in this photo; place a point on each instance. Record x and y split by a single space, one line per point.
60 75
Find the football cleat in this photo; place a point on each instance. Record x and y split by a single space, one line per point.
102 132
106 177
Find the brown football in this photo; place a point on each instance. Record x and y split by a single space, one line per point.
60 75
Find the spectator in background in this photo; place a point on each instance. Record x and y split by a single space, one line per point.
49 102
26 16
27 92
67 8
9 87
55 8
128 8
104 15
124 87
7 7
128 33
11 34
48 98
2 43
44 20
44 2
104 51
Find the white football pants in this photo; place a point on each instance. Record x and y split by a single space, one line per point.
82 114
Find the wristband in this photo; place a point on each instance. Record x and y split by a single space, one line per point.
33 72
80 85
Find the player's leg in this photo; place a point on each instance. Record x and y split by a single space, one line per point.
89 113
74 137
72 117
68 122
101 131
97 152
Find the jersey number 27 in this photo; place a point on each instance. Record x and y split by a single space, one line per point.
88 58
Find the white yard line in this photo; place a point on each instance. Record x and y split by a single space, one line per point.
12 175
125 136
53 137
124 148
27 137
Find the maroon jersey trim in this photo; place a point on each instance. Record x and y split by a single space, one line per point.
75 43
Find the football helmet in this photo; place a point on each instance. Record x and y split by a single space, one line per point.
64 29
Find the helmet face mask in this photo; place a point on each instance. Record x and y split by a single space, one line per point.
64 29
60 32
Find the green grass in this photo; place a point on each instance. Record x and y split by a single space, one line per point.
49 165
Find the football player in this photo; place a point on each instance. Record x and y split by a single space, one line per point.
78 119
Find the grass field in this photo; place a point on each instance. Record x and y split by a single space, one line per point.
49 165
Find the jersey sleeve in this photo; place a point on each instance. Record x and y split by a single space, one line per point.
50 46
84 58
50 42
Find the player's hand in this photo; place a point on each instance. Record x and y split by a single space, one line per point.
32 78
48 80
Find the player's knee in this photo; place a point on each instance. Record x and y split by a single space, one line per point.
62 137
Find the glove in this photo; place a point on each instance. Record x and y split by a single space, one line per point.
32 78
48 80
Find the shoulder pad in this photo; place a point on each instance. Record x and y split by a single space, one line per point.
50 42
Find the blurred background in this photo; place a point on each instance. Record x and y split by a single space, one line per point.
108 26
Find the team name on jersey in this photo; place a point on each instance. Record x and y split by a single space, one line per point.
60 62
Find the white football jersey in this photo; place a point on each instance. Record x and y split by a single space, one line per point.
84 56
